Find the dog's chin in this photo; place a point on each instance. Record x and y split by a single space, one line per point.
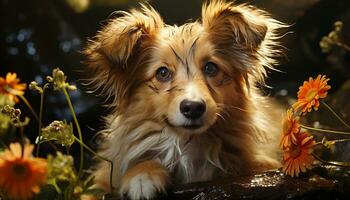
193 127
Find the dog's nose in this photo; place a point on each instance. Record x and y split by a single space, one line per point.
192 109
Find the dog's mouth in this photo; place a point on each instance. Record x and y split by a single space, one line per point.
191 125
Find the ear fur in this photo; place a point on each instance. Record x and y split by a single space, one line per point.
234 23
243 30
109 52
119 37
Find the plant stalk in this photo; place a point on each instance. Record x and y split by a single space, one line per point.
42 95
29 106
324 130
344 46
98 156
335 163
335 114
81 164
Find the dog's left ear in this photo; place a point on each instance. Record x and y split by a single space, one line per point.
122 36
115 54
227 23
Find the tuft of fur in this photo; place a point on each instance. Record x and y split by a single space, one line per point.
144 136
109 51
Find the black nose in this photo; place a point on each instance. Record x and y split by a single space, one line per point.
192 109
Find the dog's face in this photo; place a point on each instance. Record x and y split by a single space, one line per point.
187 79
181 74
182 77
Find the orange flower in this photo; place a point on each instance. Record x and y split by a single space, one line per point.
297 158
310 93
11 86
290 128
20 173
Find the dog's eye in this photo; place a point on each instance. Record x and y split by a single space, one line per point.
163 74
210 69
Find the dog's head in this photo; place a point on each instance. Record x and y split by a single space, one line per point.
183 76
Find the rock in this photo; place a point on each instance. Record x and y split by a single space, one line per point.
324 182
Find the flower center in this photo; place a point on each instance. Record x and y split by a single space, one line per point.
19 169
295 151
310 95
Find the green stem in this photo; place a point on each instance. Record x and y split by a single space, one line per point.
334 141
52 145
98 156
40 116
335 163
78 129
54 184
344 46
21 131
335 114
67 150
42 95
29 106
340 140
324 130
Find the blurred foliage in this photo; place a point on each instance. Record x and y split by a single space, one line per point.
5 120
82 5
62 181
333 38
60 168
78 5
58 131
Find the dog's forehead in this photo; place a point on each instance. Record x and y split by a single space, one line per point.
181 36
181 41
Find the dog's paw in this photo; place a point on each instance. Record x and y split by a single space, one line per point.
144 181
142 186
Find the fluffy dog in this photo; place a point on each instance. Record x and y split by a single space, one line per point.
186 104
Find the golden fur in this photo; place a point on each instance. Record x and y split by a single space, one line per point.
144 134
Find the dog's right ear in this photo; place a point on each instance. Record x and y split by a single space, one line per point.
117 40
246 34
124 37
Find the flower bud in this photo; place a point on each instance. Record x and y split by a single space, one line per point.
58 131
34 86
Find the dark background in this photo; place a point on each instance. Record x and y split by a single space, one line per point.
39 35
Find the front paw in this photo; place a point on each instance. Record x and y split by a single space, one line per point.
144 181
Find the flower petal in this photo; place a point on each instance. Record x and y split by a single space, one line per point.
16 150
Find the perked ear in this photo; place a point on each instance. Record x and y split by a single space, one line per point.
239 24
122 41
248 35
118 38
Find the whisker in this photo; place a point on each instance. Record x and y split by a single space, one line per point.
222 117
225 111
230 106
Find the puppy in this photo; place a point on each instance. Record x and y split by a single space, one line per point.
185 98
